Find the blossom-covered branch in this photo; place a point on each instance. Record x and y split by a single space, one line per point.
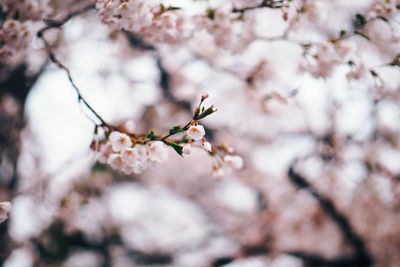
131 152
55 60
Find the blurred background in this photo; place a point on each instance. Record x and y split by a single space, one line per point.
307 94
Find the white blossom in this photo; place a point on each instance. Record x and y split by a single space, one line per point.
196 132
105 151
234 161
206 145
116 162
157 151
141 163
5 208
187 149
129 156
120 141
357 72
218 172
138 166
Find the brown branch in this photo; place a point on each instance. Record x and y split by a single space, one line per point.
165 78
58 24
265 3
360 257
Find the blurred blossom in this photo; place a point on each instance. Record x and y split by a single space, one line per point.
5 208
101 102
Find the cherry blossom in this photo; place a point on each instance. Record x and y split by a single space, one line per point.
157 151
5 208
235 161
120 141
196 132
206 145
187 149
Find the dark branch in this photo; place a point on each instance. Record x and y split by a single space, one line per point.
59 23
360 256
265 3
165 79
55 60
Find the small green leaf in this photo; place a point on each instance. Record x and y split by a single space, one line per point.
359 21
373 73
205 113
342 33
152 135
178 148
99 167
196 112
175 129
173 8
384 19
351 63
363 35
211 13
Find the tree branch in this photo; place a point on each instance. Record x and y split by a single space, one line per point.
56 61
360 257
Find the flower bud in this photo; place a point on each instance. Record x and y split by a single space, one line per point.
187 149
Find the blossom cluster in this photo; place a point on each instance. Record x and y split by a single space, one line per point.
123 154
133 153
156 22
324 58
226 162
16 37
384 8
25 9
229 30
149 19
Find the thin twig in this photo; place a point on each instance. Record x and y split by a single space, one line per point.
58 24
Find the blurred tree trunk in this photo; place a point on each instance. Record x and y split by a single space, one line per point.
15 85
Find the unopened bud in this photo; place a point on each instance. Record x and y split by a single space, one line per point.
204 95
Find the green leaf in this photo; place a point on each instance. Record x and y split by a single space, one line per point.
211 13
363 35
196 112
373 73
205 113
152 135
359 21
175 129
342 33
178 148
384 19
173 8
99 167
